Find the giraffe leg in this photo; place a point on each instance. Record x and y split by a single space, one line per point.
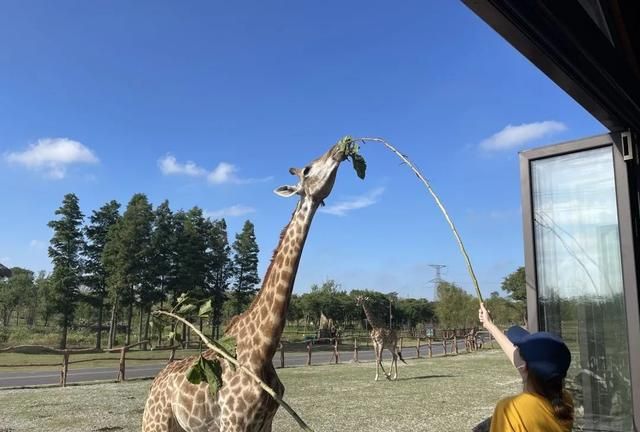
376 349
386 375
394 362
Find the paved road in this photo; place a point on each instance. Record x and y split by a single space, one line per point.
320 355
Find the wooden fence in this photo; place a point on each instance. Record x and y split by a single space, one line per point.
450 344
67 353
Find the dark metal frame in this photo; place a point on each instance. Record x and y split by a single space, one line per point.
626 201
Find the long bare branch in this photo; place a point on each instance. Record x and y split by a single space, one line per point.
223 353
417 172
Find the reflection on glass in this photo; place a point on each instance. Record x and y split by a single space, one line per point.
579 274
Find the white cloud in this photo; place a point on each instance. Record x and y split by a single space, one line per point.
341 208
169 165
514 136
53 155
233 211
223 173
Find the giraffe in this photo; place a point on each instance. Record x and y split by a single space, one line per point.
382 337
176 405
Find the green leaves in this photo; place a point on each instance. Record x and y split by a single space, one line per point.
210 370
359 165
205 309
206 370
186 308
351 149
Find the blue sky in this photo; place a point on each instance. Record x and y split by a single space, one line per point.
209 104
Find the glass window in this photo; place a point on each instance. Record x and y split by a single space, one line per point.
579 275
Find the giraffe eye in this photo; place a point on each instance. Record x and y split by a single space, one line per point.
305 171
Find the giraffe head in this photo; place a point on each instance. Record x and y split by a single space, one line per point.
360 300
316 179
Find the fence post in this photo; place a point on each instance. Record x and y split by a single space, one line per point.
309 353
121 371
418 347
429 346
491 340
444 344
401 342
172 356
455 343
281 355
64 369
355 349
335 350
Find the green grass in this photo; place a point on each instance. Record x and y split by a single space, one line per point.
440 394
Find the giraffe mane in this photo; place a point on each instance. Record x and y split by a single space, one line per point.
235 318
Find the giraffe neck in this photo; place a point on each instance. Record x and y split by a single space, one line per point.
372 318
264 321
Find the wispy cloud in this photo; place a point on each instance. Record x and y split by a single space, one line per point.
37 244
233 211
223 173
341 208
53 155
514 136
169 165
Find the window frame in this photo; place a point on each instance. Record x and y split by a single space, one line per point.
622 176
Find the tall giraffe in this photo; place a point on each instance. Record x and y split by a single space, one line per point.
176 405
382 337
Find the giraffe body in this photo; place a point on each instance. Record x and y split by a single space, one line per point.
382 337
175 405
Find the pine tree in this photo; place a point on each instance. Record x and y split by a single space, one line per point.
127 256
245 266
65 248
95 273
162 255
219 271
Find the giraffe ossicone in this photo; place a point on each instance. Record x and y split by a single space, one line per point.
240 405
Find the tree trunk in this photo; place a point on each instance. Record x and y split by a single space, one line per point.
160 328
63 337
112 324
140 325
146 327
99 332
184 334
129 319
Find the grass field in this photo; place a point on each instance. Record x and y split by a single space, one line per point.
440 394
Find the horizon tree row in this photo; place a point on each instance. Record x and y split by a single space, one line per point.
145 257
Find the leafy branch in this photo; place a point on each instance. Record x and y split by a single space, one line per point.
221 348
417 172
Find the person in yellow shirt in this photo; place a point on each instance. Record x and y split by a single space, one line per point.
543 360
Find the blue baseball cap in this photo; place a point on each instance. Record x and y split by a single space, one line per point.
546 354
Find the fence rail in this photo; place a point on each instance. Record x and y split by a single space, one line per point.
333 348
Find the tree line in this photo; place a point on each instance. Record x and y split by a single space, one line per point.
120 263
116 264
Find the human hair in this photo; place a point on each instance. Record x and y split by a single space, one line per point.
553 391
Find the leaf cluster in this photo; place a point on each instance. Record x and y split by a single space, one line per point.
351 150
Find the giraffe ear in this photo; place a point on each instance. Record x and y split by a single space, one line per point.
287 191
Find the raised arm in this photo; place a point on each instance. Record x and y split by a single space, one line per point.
509 349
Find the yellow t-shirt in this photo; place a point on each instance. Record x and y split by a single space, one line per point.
527 412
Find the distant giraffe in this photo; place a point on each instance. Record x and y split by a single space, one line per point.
382 337
176 405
